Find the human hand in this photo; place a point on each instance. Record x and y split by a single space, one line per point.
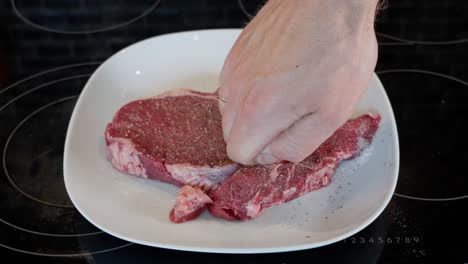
294 76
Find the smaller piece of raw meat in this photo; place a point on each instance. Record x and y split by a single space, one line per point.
191 202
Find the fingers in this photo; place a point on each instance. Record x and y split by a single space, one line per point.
262 115
232 85
301 139
229 108
266 157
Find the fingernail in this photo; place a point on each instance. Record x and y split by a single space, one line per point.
265 158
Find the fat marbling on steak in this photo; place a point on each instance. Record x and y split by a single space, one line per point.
175 137
247 193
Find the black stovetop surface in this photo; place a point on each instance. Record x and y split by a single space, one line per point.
48 49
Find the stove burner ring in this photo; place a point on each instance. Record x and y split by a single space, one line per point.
35 112
49 234
30 196
455 198
22 122
244 10
404 41
432 199
98 30
42 86
65 255
424 72
69 66
83 254
5 149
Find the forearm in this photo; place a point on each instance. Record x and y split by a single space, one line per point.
358 7
349 15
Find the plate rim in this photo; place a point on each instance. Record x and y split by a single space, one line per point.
229 250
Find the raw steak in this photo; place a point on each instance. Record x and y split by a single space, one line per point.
175 137
252 189
190 203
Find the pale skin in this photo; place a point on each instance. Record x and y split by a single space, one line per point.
294 76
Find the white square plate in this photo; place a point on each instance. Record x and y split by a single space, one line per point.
137 210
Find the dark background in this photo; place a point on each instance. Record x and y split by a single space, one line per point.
422 63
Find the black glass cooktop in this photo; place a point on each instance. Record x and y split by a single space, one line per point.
49 48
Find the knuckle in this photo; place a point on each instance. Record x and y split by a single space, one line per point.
252 101
262 95
290 149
